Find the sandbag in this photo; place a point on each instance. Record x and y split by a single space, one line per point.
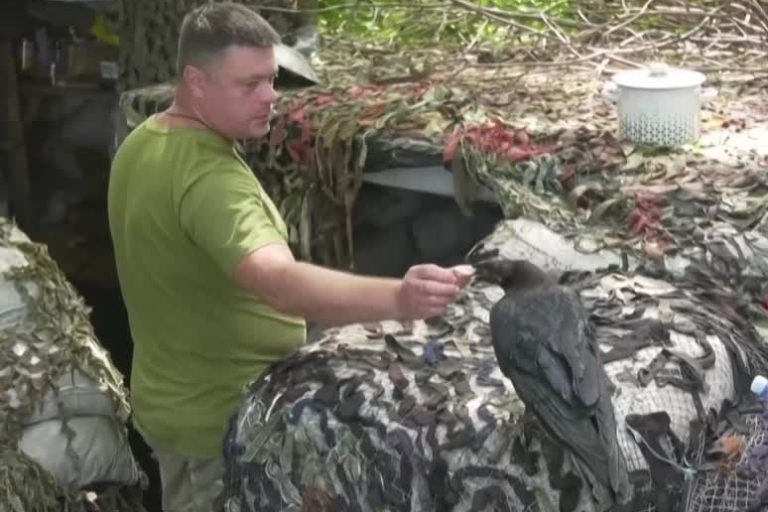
12 306
97 452
83 451
63 404
75 394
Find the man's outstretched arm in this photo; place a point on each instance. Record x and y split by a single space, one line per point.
331 297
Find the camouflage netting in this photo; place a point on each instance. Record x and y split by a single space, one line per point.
63 407
418 417
571 175
738 258
149 31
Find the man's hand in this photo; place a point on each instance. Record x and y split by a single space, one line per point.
330 297
427 290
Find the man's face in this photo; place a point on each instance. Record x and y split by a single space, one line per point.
236 93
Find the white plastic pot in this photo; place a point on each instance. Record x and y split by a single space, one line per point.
659 105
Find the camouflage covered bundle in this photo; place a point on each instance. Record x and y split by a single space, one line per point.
63 406
418 417
380 418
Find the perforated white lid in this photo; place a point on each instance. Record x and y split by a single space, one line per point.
659 76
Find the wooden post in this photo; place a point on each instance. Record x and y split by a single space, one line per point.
12 137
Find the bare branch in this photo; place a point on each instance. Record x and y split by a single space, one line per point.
599 32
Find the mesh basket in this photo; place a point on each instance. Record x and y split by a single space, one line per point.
733 488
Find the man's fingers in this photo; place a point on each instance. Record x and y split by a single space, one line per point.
463 274
437 301
430 272
437 289
435 311
429 289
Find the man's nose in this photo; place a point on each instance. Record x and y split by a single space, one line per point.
270 94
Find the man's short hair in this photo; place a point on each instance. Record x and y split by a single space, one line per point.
211 28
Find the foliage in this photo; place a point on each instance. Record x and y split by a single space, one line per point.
425 21
543 24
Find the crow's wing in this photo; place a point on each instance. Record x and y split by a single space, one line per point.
576 427
545 333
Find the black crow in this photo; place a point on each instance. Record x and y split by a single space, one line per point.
544 344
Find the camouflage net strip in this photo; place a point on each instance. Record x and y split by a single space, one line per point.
405 417
579 181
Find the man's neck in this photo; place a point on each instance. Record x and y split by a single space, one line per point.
180 114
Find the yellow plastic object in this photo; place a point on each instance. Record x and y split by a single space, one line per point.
102 31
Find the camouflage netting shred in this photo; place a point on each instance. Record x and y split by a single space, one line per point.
54 337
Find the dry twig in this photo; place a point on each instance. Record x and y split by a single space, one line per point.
626 33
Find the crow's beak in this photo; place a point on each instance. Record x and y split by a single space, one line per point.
488 271
479 254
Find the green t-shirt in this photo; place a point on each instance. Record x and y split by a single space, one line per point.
184 208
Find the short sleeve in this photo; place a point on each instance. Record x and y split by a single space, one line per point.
225 214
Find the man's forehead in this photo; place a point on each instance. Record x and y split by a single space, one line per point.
252 72
249 61
252 55
263 62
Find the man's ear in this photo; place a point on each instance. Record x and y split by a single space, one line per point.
194 77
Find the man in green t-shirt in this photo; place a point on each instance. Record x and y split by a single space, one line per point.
212 291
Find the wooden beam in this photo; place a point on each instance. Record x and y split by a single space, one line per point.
12 134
